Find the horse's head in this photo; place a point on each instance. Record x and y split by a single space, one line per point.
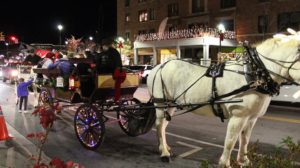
283 55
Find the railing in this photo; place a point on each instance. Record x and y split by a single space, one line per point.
185 33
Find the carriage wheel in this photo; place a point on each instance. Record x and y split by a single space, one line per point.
124 118
44 97
89 126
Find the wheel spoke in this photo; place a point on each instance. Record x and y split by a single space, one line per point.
95 124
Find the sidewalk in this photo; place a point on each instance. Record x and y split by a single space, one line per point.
16 153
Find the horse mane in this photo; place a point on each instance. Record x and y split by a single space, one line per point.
279 46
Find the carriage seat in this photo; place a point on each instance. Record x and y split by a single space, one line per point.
107 81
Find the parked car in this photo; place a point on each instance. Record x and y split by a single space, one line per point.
146 71
289 96
143 71
10 72
24 71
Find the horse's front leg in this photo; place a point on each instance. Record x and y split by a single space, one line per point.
235 125
35 95
161 124
244 141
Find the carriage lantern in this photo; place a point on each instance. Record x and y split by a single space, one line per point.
71 82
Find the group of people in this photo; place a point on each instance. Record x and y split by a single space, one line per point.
106 62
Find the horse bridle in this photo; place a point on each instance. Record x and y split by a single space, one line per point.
289 78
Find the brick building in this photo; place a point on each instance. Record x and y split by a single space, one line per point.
253 20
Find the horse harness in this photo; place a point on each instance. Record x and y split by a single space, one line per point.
257 76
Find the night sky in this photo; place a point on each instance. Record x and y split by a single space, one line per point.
36 21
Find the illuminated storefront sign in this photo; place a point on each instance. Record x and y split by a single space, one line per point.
2 36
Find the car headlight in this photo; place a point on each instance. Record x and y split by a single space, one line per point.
14 73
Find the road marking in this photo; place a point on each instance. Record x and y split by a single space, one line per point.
295 121
180 137
194 150
10 157
195 140
27 146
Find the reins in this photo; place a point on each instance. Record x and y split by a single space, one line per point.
288 68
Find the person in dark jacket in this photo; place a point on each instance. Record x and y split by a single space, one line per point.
108 60
33 59
22 93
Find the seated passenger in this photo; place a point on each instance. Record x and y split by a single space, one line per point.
44 63
108 60
33 59
64 65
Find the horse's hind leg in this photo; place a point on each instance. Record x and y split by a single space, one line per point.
235 125
244 141
161 124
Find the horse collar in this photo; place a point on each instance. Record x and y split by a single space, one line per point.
259 73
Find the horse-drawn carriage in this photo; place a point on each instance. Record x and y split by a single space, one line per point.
243 92
107 95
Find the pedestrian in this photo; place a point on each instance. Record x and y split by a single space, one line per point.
22 93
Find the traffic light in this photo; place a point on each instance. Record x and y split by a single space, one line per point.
14 39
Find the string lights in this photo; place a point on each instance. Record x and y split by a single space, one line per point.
185 33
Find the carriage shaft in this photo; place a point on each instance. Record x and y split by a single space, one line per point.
198 105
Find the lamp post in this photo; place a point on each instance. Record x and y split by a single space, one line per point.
60 28
221 30
6 44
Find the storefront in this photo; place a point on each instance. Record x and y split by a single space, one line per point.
198 48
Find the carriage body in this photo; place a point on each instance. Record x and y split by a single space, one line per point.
90 118
98 87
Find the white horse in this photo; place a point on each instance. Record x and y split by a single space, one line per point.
178 75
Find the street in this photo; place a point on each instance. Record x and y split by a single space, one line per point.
192 138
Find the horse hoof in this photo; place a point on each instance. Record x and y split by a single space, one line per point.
165 159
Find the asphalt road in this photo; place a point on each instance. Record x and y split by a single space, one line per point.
192 138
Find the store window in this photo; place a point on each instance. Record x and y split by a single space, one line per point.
127 17
152 14
286 20
227 3
127 3
127 35
173 9
262 24
151 30
143 16
229 24
142 32
198 6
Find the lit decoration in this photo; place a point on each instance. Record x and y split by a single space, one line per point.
73 44
185 33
